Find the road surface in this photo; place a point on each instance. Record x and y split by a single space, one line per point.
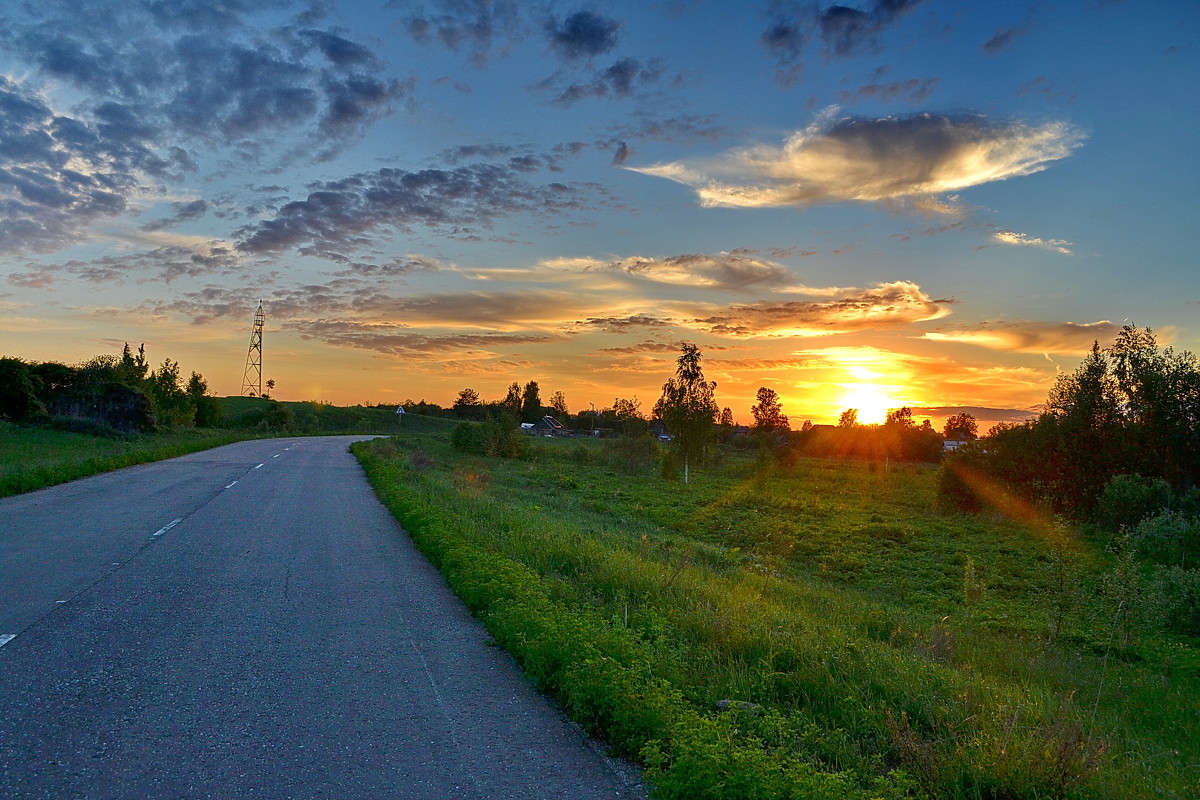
250 622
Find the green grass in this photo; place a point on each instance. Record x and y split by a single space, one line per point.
33 457
872 647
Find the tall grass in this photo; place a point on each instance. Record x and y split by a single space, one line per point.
813 631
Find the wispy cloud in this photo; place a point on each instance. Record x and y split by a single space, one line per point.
339 217
1023 240
888 305
894 161
1020 336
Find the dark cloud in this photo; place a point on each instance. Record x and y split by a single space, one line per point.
162 263
622 79
913 90
57 174
340 216
184 212
623 324
644 347
394 340
1002 38
392 268
844 30
621 154
485 28
583 35
683 128
204 72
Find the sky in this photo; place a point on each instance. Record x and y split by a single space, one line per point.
936 204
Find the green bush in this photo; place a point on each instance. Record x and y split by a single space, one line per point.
1128 499
1169 538
1177 592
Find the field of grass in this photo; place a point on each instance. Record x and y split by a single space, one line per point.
34 457
812 630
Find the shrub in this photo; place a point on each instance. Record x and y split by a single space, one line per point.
1128 499
1169 538
1177 592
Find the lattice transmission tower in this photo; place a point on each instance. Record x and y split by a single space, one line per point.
252 379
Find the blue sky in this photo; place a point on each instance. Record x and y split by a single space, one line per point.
933 204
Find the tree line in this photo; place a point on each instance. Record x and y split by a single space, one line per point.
106 392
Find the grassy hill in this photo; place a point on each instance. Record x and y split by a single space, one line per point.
814 630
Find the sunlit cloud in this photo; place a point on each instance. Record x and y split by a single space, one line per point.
887 305
1022 240
894 161
1020 336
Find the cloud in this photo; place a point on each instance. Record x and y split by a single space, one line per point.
913 90
1067 338
340 216
894 161
679 128
209 75
57 174
888 305
625 324
393 340
1022 240
184 212
845 31
1004 37
485 28
621 79
165 263
583 35
724 271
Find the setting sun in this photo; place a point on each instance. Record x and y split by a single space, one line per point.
871 402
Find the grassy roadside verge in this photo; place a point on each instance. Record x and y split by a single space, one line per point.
859 645
34 458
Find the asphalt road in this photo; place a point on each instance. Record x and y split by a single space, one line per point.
250 622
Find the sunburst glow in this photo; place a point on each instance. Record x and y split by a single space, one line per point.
870 401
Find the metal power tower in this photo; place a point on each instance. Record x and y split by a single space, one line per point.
252 379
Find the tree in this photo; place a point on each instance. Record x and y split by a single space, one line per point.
962 427
468 405
171 404
768 413
18 395
271 385
726 417
512 400
208 410
849 418
132 369
627 413
558 401
899 418
687 407
531 403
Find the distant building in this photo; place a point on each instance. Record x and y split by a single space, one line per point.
548 426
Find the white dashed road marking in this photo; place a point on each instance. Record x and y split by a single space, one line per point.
5 638
167 527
